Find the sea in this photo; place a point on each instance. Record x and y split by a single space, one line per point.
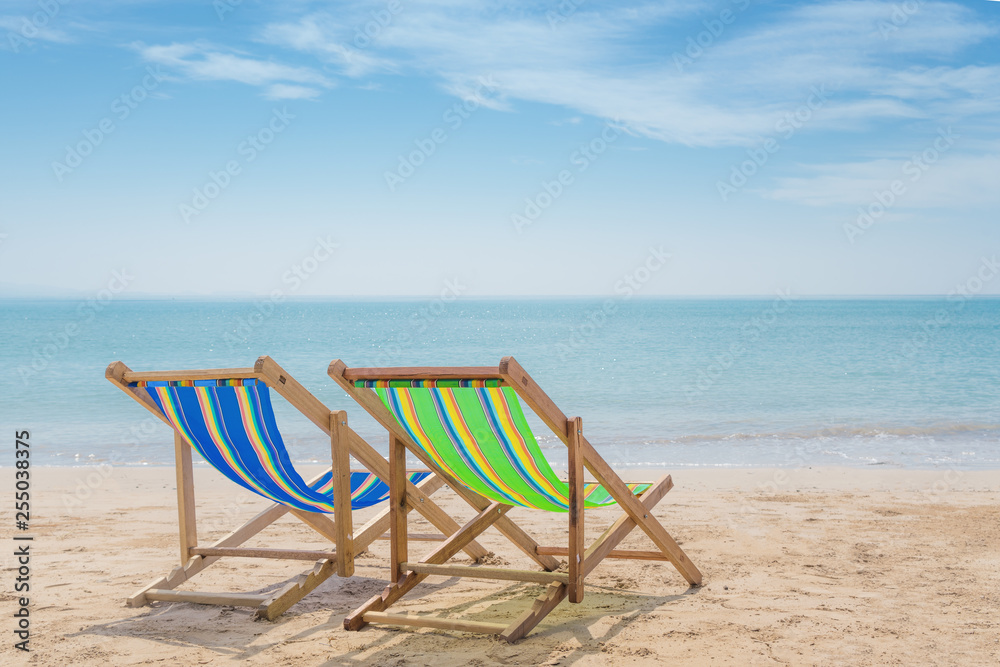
660 383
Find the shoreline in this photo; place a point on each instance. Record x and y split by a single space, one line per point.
704 477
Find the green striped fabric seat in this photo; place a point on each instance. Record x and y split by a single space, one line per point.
476 432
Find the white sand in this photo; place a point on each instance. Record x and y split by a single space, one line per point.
816 566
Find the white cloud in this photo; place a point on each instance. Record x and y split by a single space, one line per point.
314 34
952 180
207 63
617 61
284 91
21 29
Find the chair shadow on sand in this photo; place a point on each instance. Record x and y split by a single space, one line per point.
617 608
186 625
211 627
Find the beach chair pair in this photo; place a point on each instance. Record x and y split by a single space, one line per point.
464 423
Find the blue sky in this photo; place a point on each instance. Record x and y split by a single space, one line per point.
535 148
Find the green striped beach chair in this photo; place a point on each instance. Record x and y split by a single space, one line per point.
466 424
227 417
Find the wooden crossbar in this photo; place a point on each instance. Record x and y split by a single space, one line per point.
423 373
479 572
278 554
417 537
230 599
172 376
613 554
435 622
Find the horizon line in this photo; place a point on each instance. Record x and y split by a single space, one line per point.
483 297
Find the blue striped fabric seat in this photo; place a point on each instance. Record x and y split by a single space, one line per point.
231 424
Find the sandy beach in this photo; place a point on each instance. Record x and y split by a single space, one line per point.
820 566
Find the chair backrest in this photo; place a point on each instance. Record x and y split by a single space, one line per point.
475 430
231 423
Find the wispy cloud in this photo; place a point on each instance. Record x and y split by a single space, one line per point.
959 180
332 41
616 62
204 62
26 29
284 91
888 61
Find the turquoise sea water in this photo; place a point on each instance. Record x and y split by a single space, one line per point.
666 383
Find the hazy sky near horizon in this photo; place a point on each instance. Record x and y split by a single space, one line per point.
538 148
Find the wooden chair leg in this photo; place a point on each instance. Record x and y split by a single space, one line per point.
379 524
603 546
397 509
283 600
319 522
540 608
342 514
444 551
418 500
610 480
576 513
186 520
197 564
304 584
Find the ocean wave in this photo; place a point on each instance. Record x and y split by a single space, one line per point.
873 431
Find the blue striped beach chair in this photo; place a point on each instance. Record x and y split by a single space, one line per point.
466 424
226 416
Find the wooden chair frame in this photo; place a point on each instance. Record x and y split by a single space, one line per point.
344 443
406 574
